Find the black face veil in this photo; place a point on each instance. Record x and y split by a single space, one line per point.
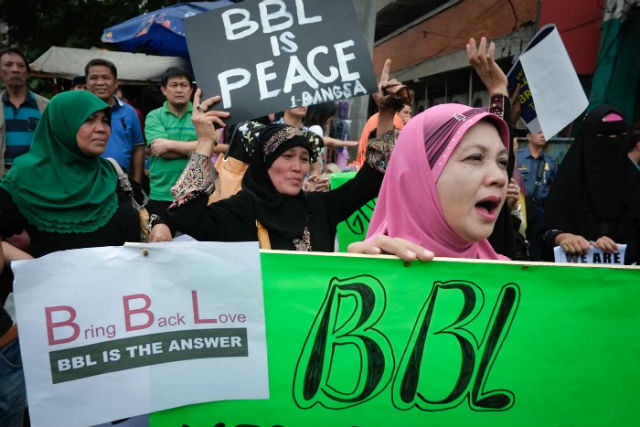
592 187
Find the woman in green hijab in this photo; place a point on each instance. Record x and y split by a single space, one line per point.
62 192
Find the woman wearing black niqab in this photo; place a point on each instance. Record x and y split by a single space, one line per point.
595 198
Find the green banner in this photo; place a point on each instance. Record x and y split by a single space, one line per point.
354 228
369 342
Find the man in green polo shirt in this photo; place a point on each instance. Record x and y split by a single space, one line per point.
171 137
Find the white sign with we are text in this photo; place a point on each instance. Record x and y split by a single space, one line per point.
592 256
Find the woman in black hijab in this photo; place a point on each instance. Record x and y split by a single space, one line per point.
595 198
271 203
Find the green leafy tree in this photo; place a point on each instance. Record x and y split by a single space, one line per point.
36 25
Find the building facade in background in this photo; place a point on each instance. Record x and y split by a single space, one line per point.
426 39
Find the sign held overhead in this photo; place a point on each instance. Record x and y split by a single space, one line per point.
265 56
550 92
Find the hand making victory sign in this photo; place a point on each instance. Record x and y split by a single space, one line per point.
207 122
392 95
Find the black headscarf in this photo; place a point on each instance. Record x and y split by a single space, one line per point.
605 147
284 216
594 193
241 140
505 239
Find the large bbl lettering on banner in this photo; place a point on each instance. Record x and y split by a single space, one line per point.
370 342
268 55
311 381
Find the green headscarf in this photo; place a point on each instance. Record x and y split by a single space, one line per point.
56 187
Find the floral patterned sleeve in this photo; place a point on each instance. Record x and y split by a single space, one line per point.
316 145
197 178
379 150
500 105
497 105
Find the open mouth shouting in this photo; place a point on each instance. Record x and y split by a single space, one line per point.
488 207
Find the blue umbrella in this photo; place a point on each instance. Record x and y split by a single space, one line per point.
158 32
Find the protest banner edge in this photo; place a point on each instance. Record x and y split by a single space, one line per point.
144 246
465 260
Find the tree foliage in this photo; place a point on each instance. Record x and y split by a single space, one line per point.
36 25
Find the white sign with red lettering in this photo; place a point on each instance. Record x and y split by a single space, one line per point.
110 333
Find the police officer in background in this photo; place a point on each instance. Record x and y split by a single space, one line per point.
538 170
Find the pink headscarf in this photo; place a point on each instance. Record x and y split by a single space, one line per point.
408 204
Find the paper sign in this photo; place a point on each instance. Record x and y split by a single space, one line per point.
551 94
263 56
516 76
354 228
115 332
593 256
369 342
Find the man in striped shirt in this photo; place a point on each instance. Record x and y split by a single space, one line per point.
20 109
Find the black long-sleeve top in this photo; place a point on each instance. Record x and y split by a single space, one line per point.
503 237
122 227
234 219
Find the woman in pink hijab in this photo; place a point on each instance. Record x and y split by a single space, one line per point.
447 177
445 183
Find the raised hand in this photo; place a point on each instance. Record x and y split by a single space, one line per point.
392 94
206 122
481 58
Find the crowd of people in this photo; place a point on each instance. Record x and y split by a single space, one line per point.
449 181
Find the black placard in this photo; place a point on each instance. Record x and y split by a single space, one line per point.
263 56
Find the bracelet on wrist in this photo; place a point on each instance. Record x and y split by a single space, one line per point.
154 220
